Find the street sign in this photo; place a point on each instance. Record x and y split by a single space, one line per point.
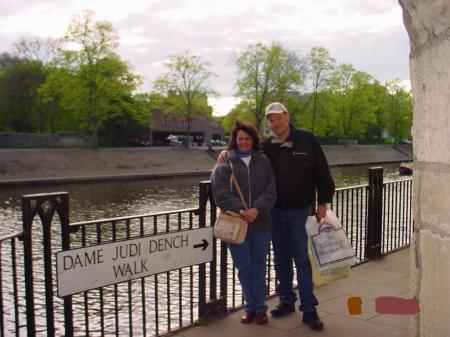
101 265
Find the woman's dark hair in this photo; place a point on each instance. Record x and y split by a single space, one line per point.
247 128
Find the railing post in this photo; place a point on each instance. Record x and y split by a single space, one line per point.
212 306
221 307
203 195
45 205
28 214
65 245
374 214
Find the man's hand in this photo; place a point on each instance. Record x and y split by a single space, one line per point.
223 157
321 212
250 214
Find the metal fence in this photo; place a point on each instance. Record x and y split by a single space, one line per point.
377 218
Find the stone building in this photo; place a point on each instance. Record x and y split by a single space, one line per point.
203 130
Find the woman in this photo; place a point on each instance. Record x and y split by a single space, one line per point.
255 177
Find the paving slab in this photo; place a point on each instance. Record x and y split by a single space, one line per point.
386 277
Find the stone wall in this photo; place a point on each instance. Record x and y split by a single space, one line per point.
78 164
39 140
428 26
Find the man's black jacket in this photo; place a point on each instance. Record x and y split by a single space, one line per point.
300 169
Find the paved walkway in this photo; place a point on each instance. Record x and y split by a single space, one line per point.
387 277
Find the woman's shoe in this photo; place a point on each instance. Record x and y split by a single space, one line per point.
247 317
261 318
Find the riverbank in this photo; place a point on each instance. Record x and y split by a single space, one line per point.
54 166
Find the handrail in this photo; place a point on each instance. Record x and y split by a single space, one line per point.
18 235
92 222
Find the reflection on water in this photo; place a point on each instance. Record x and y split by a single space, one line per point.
357 175
113 199
106 199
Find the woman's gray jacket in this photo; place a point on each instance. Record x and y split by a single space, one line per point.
257 184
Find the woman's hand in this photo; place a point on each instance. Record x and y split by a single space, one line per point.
250 214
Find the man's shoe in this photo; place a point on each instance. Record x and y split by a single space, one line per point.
312 320
283 309
261 318
247 317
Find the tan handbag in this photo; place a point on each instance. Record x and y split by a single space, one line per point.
230 226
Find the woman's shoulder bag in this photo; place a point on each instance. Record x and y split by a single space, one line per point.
230 226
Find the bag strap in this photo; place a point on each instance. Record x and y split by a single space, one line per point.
236 185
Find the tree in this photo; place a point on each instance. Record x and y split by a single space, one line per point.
44 50
359 112
89 51
21 107
267 73
377 100
7 59
243 111
41 53
186 84
320 65
113 95
399 111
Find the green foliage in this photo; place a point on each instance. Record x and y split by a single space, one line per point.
399 111
186 84
339 100
243 111
145 103
355 111
266 73
377 100
98 84
21 107
84 86
320 65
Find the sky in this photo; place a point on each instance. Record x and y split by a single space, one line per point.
365 33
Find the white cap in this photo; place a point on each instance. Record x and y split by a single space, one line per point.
275 108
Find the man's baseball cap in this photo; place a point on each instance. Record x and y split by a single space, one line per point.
275 108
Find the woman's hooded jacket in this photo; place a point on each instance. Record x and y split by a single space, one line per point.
257 184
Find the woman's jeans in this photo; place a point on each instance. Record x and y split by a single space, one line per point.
250 259
290 243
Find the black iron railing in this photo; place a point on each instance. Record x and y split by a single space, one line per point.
147 306
397 215
377 218
12 296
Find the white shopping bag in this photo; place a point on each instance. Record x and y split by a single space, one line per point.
329 244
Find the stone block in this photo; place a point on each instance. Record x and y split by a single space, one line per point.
434 296
431 197
431 132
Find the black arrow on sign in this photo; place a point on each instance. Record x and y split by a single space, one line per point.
204 244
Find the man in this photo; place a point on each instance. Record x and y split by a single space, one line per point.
301 170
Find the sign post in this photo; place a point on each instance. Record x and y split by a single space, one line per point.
106 264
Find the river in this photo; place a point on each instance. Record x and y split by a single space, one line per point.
112 199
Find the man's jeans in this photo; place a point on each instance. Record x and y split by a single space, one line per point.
290 242
250 259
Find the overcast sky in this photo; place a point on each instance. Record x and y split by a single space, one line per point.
369 34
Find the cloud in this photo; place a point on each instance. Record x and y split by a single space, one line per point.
384 55
368 34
